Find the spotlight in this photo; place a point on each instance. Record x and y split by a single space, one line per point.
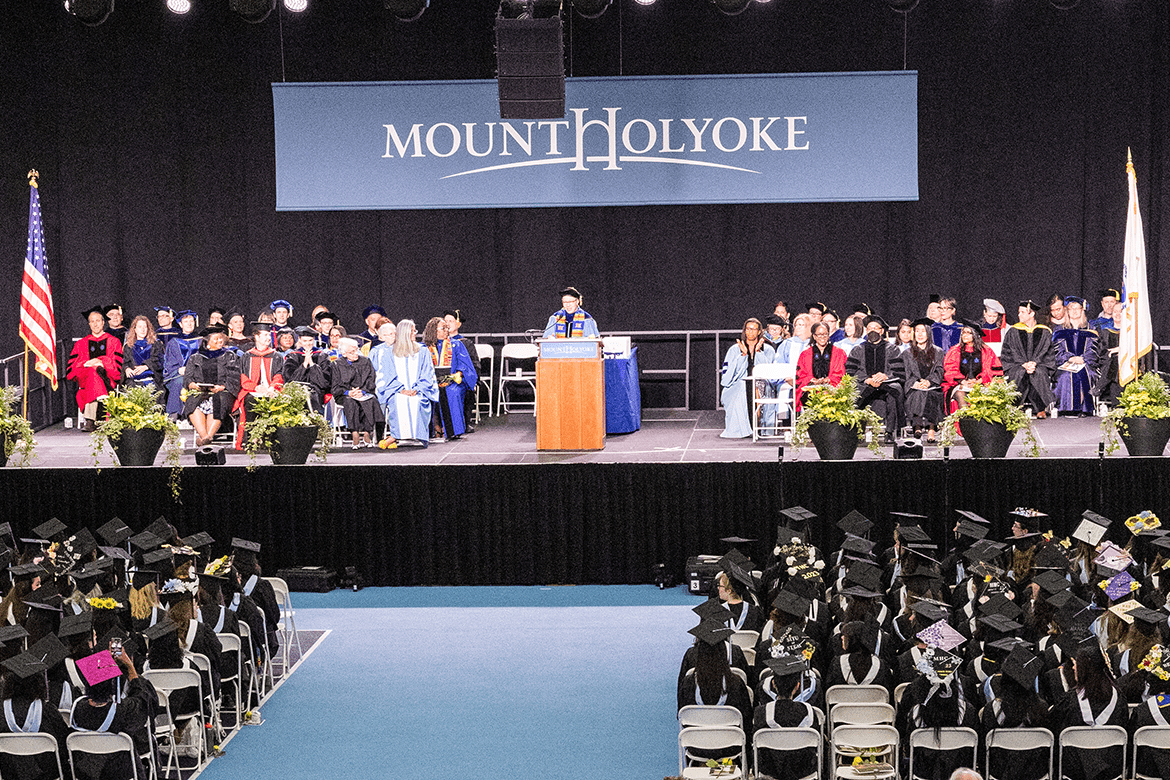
902 6
90 12
731 7
590 9
178 6
252 11
644 2
406 10
296 6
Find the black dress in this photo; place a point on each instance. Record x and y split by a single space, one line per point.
360 415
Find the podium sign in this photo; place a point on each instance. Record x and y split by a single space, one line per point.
570 395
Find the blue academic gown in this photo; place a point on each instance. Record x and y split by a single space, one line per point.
407 417
461 362
179 351
1074 388
737 422
945 336
589 326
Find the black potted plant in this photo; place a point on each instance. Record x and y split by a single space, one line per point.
990 421
1141 417
15 430
830 418
287 427
136 427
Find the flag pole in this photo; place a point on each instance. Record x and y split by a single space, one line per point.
24 413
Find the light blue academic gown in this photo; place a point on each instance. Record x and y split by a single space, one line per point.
407 417
737 422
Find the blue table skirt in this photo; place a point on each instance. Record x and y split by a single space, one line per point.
623 397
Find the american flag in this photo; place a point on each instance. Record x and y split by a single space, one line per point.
37 326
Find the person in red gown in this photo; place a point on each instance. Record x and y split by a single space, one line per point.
820 364
968 363
95 364
260 374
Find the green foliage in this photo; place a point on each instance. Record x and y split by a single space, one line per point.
1147 396
288 408
17 433
838 404
996 402
137 408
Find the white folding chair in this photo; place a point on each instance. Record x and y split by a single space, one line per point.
878 742
33 744
746 641
709 738
510 375
286 628
485 354
163 731
861 714
211 703
169 681
248 661
766 395
945 739
788 740
1016 740
899 689
230 643
709 715
1154 737
100 743
1093 738
855 694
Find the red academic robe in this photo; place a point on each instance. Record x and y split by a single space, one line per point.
991 333
804 370
94 382
255 369
953 375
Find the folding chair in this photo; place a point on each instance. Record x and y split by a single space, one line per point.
861 714
286 627
1155 737
169 681
33 744
248 659
851 740
855 694
946 739
485 353
230 643
211 704
163 731
1016 740
899 689
780 400
746 641
516 352
1093 738
710 738
709 715
100 743
787 740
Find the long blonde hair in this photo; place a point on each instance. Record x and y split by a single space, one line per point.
404 343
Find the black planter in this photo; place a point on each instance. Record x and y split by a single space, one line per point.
291 446
1144 437
833 440
138 448
986 439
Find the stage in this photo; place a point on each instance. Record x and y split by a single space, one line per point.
489 509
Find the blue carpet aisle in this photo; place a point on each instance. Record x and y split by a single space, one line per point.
582 689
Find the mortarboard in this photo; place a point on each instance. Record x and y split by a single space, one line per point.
1051 582
974 518
6 530
1124 609
1143 523
711 633
1091 528
25 665
855 523
50 528
260 327
98 667
791 604
146 541
80 544
49 650
737 540
796 516
864 574
72 625
937 665
1050 557
115 553
38 599
161 556
1112 557
1154 663
12 634
161 528
1119 585
304 330
1023 667
244 544
941 635
857 545
1147 619
114 532
858 592
325 315
1000 623
971 530
374 309
861 632
160 629
711 609
27 570
94 310
199 540
912 533
787 665
1000 604
929 611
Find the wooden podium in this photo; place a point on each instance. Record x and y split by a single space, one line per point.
570 395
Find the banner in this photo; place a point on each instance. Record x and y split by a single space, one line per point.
623 141
1137 332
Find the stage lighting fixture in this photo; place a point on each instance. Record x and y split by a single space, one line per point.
90 12
296 6
902 6
590 9
178 6
530 59
252 11
644 2
731 7
406 10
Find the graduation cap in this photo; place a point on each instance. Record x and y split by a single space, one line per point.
10 634
260 327
1147 619
711 609
80 544
858 592
328 315
737 540
1051 582
818 305
220 567
855 523
1154 663
376 309
1143 523
925 550
1061 598
162 556
49 650
303 331
791 604
93 310
908 518
38 599
1000 604
938 665
912 534
1119 585
971 530
73 625
711 633
1028 518
25 665
160 629
1023 667
114 532
27 570
175 590
941 635
6 530
864 574
1090 529
1112 557
974 518
998 622
861 632
929 610
984 551
1050 557
244 544
1123 609
99 667
796 516
146 541
161 528
50 528
787 665
857 545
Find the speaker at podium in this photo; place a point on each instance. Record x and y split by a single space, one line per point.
570 394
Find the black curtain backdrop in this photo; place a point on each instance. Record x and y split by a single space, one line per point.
153 136
585 523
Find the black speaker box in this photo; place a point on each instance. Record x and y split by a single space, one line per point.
530 61
210 456
908 449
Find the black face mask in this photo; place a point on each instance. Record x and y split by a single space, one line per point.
873 337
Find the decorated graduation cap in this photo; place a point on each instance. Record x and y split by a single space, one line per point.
79 545
1155 663
711 633
855 523
1144 522
941 635
1119 585
1028 518
1112 557
176 590
1091 528
114 532
938 666
99 667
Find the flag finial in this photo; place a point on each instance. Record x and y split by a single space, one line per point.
33 175
1129 161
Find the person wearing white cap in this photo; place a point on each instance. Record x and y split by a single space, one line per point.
994 320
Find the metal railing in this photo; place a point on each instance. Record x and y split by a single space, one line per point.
45 405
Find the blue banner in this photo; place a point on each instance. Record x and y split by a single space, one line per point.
623 141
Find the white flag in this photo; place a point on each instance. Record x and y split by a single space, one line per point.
1137 335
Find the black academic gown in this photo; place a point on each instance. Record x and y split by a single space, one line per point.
1022 346
1014 764
1108 384
934 763
134 716
868 359
314 376
736 696
219 368
1090 764
786 714
40 767
359 415
924 408
1154 711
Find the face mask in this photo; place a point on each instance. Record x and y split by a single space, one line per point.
873 337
